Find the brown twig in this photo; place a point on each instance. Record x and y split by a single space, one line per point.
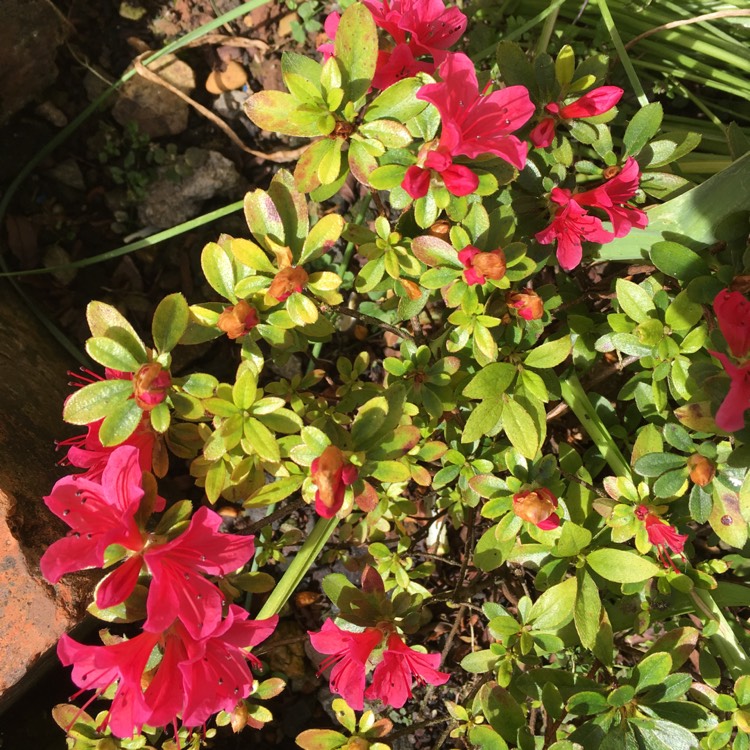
363 318
277 515
275 156
686 22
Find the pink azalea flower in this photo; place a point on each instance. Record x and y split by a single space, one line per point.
570 226
595 102
392 679
476 123
733 314
661 535
612 197
396 65
731 414
480 266
178 588
348 653
99 514
538 507
332 474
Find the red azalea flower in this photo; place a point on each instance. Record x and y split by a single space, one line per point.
458 179
612 197
474 123
538 507
733 314
99 514
332 474
480 266
349 653
178 588
194 679
571 225
220 678
392 679
731 414
87 452
397 64
662 536
433 27
595 102
330 27
287 281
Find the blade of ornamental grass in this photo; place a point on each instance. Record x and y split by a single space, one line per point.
699 217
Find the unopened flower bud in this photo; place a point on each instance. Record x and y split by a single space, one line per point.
440 229
491 265
238 320
238 717
537 507
527 303
286 282
332 474
150 385
702 469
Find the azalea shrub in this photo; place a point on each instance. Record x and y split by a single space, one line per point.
501 402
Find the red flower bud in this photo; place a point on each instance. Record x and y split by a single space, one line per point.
238 320
288 280
150 385
527 303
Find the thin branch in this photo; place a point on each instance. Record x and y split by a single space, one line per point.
363 318
686 22
277 515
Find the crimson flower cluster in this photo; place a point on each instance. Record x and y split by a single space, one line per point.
202 668
351 654
661 535
733 314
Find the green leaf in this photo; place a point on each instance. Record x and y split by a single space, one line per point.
565 64
486 738
368 421
502 711
682 314
279 112
391 471
433 251
322 237
587 608
550 354
634 300
170 322
356 50
514 65
251 255
397 102
320 739
520 429
652 670
554 608
218 270
490 381
642 127
573 539
654 464
245 389
726 517
479 662
621 566
96 400
262 440
387 177
484 420
664 735
103 318
301 309
109 353
120 422
274 492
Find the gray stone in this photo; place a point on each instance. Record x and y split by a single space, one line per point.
177 194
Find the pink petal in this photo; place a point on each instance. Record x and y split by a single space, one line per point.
416 182
552 522
460 180
543 134
119 584
595 102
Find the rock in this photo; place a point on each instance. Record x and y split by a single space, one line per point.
30 33
202 174
153 108
33 614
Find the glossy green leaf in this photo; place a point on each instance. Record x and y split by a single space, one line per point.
549 354
218 270
170 322
120 423
96 400
356 50
621 566
642 127
634 300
